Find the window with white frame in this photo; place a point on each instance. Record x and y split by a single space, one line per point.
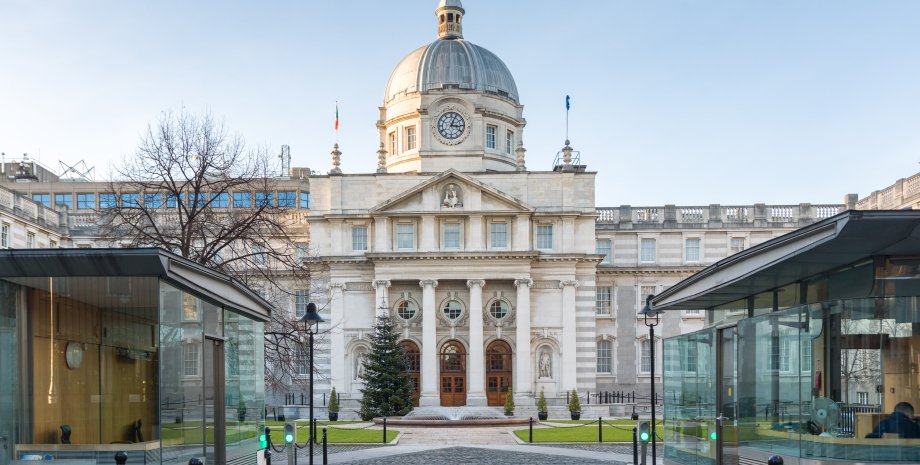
862 397
4 235
605 356
410 138
644 292
405 236
805 353
359 238
602 247
735 245
498 235
190 359
30 240
259 255
301 299
784 353
696 312
690 359
490 136
645 358
602 300
302 250
545 236
647 250
692 249
451 235
52 244
509 142
393 145
302 361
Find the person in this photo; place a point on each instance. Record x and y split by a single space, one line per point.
900 422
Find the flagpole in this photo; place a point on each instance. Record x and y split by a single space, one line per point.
336 122
567 106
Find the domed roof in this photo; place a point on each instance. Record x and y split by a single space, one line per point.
451 63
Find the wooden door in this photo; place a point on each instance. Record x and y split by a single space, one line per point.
413 363
453 374
498 372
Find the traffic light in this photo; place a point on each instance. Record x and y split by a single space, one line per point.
644 431
263 438
290 433
713 435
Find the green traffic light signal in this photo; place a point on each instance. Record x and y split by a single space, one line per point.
713 435
644 436
290 432
644 430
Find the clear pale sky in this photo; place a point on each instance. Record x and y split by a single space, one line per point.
689 102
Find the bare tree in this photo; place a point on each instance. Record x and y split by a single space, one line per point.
194 188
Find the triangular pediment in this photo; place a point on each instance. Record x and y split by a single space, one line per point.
452 192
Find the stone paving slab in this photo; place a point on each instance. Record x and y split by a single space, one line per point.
504 455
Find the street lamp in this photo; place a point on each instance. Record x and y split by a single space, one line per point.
310 323
652 318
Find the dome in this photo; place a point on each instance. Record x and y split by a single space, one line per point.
451 63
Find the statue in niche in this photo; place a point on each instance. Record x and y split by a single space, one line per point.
451 197
359 365
546 364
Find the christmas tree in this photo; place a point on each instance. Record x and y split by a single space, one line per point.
387 390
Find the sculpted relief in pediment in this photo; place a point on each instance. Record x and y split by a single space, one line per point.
452 195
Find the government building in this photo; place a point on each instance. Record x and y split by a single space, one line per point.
497 275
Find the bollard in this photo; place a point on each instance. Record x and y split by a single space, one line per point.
531 430
635 446
195 461
600 429
775 460
121 458
268 457
325 453
384 430
315 425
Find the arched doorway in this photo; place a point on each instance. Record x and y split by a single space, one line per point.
498 372
453 374
412 354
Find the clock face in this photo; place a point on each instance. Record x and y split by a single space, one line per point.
451 125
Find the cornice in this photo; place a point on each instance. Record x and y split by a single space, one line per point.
403 117
518 124
648 270
469 256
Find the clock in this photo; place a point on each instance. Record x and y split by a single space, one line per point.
451 125
73 354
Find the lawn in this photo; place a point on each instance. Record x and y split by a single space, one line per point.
333 435
621 432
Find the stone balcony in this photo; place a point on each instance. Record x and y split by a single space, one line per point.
904 193
29 210
714 216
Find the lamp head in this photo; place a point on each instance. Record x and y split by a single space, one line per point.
651 316
312 319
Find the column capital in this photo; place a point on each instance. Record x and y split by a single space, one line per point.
428 282
567 283
385 283
475 282
523 282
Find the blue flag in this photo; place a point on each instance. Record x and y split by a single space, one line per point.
567 104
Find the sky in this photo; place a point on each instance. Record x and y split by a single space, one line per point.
673 102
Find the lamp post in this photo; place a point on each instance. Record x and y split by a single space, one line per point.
310 323
652 318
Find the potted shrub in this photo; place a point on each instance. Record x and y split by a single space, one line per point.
509 403
542 413
574 405
241 410
333 406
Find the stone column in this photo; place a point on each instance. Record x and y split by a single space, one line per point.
523 379
382 301
337 338
430 393
569 349
476 395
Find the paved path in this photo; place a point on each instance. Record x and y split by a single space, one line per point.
415 436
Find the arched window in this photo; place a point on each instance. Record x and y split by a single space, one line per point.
453 358
605 356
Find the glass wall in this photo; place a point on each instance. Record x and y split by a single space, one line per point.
829 381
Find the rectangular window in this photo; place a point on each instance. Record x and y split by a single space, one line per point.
4 236
498 235
647 251
604 356
393 145
197 199
645 361
410 138
359 238
303 250
301 299
692 312
545 236
259 255
644 292
302 361
153 200
242 200
509 142
602 247
784 355
30 240
806 355
108 201
52 244
190 308
130 200
64 199
220 200
451 235
862 397
490 136
287 199
304 200
692 250
265 199
736 245
602 301
690 360
405 236
190 365
86 201
44 199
